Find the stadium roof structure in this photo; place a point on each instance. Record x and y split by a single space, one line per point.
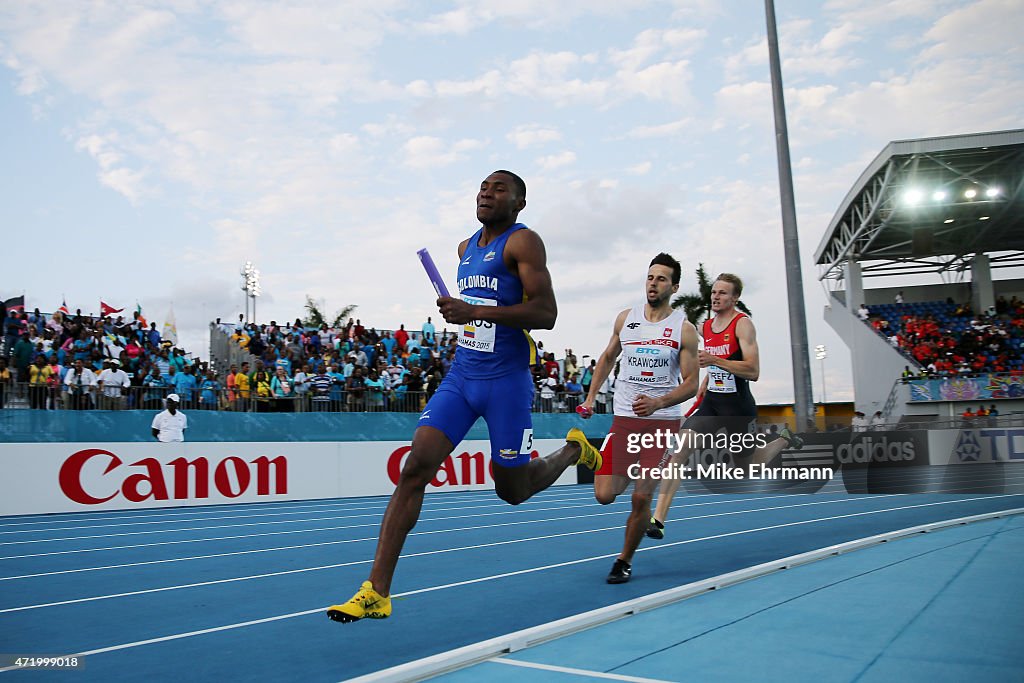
930 205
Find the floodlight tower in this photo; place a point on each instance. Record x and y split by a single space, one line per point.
794 278
251 287
244 272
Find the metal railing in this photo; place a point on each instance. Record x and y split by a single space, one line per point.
338 399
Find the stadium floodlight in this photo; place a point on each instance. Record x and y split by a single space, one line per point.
948 220
992 192
251 286
939 195
971 193
247 272
912 197
983 218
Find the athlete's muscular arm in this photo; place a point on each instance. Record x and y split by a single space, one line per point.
647 405
605 363
526 257
750 367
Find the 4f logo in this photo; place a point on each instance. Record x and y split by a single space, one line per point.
633 326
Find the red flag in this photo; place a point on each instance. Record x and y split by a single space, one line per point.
16 303
106 309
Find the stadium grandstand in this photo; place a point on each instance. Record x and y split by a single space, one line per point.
65 361
934 219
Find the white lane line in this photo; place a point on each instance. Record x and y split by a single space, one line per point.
270 509
508 510
253 622
415 533
478 546
576 672
503 509
219 518
214 509
283 508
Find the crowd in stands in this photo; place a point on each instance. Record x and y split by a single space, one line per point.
946 338
354 368
982 411
78 362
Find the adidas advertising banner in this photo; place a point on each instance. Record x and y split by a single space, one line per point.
74 477
859 461
882 449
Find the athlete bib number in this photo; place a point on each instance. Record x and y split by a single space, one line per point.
720 381
478 334
648 365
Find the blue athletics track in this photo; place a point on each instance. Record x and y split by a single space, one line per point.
239 592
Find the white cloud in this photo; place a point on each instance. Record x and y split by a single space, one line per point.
653 44
801 54
663 130
113 173
665 80
553 161
530 14
344 144
426 151
985 28
532 135
460 21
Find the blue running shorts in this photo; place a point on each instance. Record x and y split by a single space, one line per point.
505 403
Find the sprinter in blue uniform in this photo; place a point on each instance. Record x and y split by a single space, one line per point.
504 292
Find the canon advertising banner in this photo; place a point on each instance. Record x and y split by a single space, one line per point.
75 477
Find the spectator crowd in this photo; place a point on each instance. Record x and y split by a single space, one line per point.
951 339
78 362
354 368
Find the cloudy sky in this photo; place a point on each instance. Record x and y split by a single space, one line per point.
150 148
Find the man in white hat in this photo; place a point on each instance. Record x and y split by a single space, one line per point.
170 425
112 382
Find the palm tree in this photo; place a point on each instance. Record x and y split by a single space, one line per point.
315 315
697 305
339 317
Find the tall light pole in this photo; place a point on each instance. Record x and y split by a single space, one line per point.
251 286
821 353
244 272
794 278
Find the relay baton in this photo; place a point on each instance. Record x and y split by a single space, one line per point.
693 408
584 412
435 277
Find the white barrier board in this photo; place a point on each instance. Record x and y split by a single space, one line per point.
74 477
966 446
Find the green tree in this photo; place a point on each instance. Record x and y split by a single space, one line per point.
697 305
315 314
